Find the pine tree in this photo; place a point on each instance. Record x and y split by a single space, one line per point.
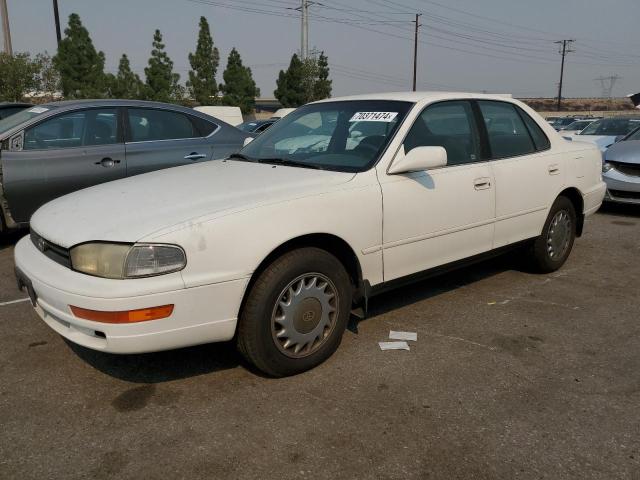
239 88
126 83
322 84
290 85
81 67
204 65
162 84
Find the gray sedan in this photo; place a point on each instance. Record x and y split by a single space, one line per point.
54 149
621 170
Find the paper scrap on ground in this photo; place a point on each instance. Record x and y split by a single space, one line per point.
412 336
393 345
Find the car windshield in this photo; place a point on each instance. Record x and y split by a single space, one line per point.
612 126
634 135
248 126
346 136
579 125
21 117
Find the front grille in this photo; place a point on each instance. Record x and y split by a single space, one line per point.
55 252
632 169
623 194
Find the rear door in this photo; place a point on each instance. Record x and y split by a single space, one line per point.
159 138
528 174
62 154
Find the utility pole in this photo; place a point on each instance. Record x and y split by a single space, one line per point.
415 51
563 51
304 47
5 27
56 17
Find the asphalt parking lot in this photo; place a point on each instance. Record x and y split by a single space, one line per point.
514 375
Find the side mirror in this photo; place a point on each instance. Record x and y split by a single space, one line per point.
16 142
419 159
247 141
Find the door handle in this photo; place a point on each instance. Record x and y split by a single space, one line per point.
194 156
554 169
107 162
482 183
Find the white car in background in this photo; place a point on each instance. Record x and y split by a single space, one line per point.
576 127
607 131
276 249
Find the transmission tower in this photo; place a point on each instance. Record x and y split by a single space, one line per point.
607 84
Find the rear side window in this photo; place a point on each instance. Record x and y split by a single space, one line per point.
539 138
146 124
76 129
204 127
508 135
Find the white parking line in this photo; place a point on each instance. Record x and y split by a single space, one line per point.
2 304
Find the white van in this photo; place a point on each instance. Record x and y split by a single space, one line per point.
231 115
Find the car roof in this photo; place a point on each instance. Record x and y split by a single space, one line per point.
415 97
70 105
14 104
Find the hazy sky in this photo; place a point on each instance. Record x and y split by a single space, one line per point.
501 46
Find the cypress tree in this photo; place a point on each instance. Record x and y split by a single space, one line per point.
126 83
161 83
239 88
204 65
81 67
290 90
322 84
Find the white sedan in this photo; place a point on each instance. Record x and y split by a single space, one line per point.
275 247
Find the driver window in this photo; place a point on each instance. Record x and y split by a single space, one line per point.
449 125
75 129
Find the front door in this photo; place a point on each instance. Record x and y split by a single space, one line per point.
441 215
68 152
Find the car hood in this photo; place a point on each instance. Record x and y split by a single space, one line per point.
626 152
130 209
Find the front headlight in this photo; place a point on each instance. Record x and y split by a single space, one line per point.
119 260
606 166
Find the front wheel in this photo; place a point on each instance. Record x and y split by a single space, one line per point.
552 248
295 313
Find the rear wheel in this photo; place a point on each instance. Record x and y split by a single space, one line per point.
552 248
295 313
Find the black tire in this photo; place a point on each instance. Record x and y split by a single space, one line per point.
256 336
542 257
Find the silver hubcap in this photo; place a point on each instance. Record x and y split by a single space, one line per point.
559 235
304 315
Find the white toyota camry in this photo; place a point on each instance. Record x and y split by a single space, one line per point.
276 245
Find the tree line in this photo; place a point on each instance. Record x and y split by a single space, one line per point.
77 70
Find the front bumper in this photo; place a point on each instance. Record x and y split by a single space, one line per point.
622 188
201 314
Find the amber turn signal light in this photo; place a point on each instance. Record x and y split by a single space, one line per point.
126 316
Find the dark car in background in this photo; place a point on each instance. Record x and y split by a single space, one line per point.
53 149
257 126
9 108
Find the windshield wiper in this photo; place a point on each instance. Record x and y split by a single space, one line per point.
240 156
289 163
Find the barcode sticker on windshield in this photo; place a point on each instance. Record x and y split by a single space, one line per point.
373 116
38 110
